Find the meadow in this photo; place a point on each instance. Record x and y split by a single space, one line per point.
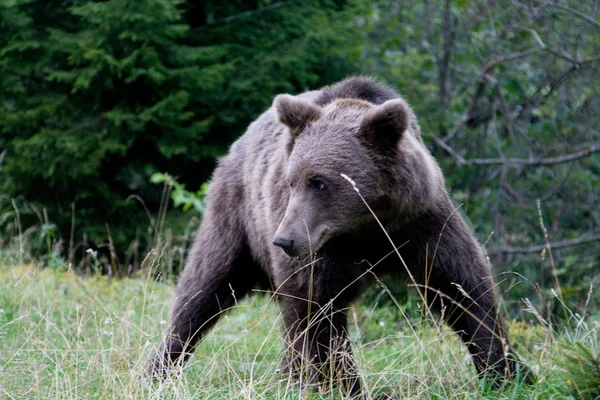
64 336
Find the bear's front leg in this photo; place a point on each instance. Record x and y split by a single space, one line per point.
204 292
219 271
456 280
318 347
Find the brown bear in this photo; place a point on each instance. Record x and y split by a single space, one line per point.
325 192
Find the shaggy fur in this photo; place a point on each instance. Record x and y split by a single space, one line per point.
281 183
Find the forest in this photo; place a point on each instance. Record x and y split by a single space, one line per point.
113 115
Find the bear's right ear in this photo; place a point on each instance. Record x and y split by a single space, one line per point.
384 125
296 114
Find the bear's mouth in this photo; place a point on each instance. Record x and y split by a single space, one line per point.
309 250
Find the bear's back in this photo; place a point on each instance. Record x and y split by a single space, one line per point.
357 87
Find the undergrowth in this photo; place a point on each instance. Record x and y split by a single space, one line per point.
67 337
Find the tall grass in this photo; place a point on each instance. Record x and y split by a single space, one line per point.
63 336
28 235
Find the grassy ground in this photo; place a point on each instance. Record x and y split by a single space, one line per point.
66 337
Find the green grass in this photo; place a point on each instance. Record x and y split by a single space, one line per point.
66 337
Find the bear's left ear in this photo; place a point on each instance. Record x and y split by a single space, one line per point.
296 114
384 125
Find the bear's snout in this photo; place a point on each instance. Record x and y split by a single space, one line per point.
285 244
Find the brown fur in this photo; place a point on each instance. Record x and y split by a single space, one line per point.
282 180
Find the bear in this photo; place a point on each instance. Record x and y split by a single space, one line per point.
325 192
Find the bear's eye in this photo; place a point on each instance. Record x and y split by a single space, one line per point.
317 185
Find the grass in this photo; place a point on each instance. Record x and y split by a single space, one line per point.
66 337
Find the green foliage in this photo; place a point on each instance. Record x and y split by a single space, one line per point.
483 85
95 97
179 195
581 363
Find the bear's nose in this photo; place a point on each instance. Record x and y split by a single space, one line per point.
283 243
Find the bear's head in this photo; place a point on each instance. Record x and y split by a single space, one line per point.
367 143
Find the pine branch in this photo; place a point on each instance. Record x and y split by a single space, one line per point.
513 162
552 245
559 52
574 12
244 14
